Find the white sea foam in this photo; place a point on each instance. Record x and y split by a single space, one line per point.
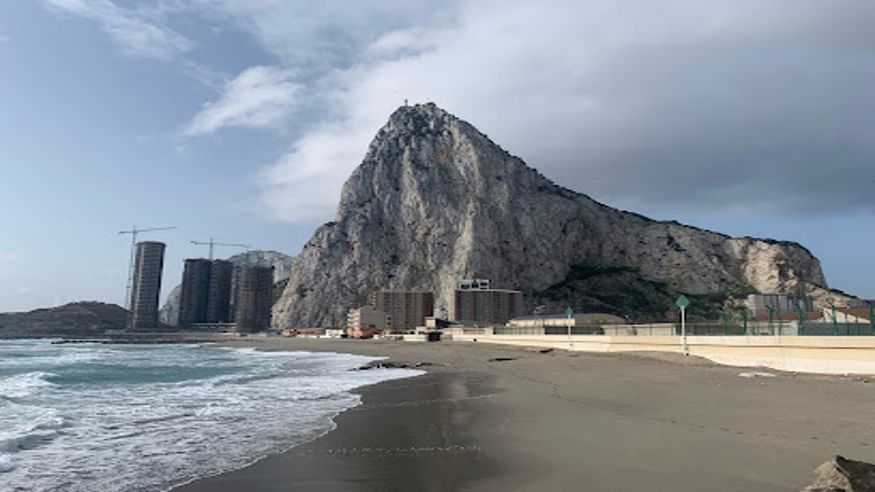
147 418
6 463
21 385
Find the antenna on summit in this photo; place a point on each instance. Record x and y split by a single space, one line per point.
405 103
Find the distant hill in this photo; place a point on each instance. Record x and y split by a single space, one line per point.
75 319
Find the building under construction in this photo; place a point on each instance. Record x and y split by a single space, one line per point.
206 292
252 298
219 295
146 285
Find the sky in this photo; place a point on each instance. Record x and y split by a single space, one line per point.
240 119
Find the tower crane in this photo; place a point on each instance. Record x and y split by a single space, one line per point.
212 243
134 232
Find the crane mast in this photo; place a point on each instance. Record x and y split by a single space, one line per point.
212 244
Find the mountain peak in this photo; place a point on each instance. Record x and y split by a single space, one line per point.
426 110
418 120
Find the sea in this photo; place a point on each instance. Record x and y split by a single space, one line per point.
94 417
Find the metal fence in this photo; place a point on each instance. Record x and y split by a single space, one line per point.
837 329
718 328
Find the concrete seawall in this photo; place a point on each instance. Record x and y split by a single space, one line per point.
822 355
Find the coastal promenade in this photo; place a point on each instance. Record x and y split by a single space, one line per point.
819 355
496 417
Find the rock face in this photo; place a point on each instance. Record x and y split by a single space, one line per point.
169 312
843 475
282 264
435 201
86 318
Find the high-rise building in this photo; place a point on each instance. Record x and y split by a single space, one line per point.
252 298
146 287
219 295
206 292
484 306
406 309
195 292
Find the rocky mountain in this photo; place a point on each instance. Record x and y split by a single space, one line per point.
282 264
435 201
86 318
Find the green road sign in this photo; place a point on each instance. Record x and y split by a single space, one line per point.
569 312
682 302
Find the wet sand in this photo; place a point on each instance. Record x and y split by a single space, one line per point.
569 421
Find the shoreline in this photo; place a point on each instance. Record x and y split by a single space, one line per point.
386 427
489 417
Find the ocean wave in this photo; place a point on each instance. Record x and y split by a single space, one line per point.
25 384
47 359
28 441
25 427
6 464
153 435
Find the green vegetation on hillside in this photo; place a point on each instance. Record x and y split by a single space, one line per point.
624 292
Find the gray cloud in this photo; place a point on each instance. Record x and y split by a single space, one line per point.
726 105
743 105
319 36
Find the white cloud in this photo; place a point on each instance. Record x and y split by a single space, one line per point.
325 35
714 105
7 256
259 97
304 184
23 291
138 32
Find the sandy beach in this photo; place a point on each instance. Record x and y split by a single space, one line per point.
488 417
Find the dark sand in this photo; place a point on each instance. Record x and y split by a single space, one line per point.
569 421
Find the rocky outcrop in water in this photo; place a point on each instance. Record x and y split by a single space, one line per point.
435 201
281 263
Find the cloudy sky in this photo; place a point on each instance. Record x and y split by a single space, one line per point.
240 119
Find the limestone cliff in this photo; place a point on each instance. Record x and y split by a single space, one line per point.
435 200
